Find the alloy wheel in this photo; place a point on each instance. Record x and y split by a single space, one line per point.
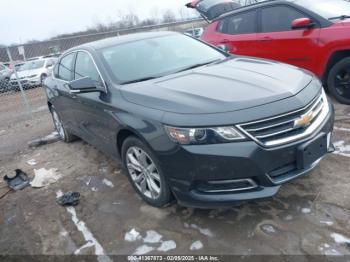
58 124
143 172
342 83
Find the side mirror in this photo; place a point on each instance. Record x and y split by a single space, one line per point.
83 85
302 23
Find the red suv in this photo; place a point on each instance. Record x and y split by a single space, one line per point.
312 34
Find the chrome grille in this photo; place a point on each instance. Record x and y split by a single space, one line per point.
286 128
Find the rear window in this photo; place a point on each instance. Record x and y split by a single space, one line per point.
244 23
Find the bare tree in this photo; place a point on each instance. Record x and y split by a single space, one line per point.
168 16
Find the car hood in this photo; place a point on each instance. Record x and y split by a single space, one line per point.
236 84
27 73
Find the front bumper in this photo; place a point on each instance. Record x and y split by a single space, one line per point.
194 171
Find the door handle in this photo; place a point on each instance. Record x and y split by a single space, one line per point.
266 39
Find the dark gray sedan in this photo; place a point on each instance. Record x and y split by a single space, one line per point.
189 121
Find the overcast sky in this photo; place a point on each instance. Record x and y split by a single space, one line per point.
23 20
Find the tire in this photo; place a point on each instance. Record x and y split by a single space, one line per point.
145 184
338 81
42 79
65 135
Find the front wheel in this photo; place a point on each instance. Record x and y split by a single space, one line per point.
144 173
339 81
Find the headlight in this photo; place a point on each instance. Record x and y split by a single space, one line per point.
208 135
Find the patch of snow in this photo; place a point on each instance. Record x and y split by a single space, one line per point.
108 183
88 236
167 246
94 189
342 129
340 239
289 218
332 252
44 177
306 210
142 250
197 245
328 223
2 132
31 162
341 149
204 231
152 237
132 235
270 229
88 244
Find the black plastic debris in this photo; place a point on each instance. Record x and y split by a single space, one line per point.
69 199
19 181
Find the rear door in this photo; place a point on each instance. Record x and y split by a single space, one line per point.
237 33
278 41
62 99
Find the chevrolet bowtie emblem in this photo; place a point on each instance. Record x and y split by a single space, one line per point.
304 120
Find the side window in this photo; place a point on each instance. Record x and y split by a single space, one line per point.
279 18
84 66
244 23
65 68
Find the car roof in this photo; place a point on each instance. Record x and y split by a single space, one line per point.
100 44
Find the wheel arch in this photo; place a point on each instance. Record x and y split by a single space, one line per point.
335 57
123 134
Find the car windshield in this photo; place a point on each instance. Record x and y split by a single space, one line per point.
156 57
32 65
329 9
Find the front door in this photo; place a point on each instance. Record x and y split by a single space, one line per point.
278 41
94 119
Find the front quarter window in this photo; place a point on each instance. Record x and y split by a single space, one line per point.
85 67
65 69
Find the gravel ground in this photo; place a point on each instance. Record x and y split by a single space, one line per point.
308 216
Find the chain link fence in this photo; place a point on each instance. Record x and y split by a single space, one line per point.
23 68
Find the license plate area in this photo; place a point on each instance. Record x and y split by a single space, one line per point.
311 151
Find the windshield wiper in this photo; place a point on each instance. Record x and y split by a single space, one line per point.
140 80
341 17
184 69
198 65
